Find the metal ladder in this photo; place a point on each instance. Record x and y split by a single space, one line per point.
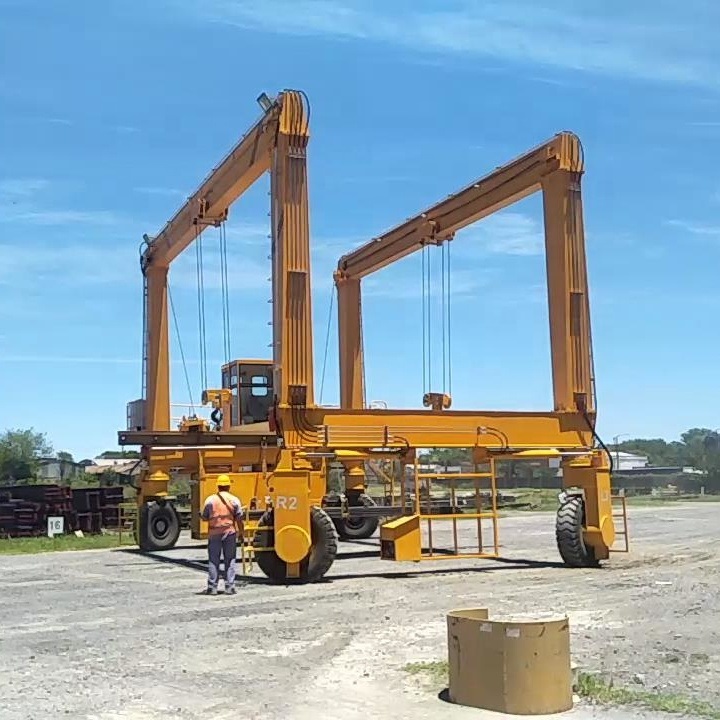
423 508
621 501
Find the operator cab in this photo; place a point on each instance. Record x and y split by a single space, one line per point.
251 384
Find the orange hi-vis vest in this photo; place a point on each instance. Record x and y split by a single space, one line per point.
221 517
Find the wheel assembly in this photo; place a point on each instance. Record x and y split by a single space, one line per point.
159 526
569 534
317 562
357 528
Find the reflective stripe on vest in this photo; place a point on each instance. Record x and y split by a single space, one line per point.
221 518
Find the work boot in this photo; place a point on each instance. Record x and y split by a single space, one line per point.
231 591
211 591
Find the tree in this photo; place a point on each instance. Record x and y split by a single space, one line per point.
659 452
20 453
447 457
65 456
120 455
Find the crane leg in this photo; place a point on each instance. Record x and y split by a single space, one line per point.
584 527
295 540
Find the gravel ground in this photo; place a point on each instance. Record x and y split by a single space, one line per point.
115 635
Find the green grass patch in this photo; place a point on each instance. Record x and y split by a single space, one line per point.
600 691
545 500
29 546
436 671
596 689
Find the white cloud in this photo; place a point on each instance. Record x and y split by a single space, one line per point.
696 228
635 40
505 233
22 187
248 234
244 274
463 283
67 359
61 217
169 192
67 264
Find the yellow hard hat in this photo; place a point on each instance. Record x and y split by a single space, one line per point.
223 480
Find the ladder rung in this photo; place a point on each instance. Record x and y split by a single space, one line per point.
453 476
460 516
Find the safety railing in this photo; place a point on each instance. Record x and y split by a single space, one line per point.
431 508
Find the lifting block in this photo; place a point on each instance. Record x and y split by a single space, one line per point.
515 666
400 539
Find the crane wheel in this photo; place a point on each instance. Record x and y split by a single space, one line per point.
317 562
358 528
569 534
159 526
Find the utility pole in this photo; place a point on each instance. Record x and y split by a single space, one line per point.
616 440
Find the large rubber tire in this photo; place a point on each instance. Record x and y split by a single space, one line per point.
317 562
569 524
358 528
159 526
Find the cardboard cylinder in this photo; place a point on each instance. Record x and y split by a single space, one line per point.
516 666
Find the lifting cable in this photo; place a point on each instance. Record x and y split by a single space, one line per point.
180 346
446 318
424 328
201 307
442 280
446 330
428 294
327 343
225 291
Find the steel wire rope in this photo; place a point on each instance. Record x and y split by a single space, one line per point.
449 335
225 291
327 342
429 321
180 346
442 281
424 328
201 307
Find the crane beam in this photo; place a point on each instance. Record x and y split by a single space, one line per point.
504 186
240 168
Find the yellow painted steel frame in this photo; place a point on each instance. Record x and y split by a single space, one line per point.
276 144
257 490
555 168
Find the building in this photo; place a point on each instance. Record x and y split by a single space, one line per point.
628 461
114 470
58 470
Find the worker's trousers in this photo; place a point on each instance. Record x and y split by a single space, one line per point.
227 547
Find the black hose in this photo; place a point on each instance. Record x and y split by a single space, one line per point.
598 439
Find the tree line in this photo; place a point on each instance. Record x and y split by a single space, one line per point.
23 451
698 448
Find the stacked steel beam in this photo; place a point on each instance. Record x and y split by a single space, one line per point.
24 509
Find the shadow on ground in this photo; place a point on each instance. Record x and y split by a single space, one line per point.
493 565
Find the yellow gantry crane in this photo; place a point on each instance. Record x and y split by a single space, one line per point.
585 529
279 467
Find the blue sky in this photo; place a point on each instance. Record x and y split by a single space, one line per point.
113 112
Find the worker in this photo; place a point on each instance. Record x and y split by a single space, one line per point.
223 513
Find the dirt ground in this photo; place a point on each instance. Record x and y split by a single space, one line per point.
115 635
